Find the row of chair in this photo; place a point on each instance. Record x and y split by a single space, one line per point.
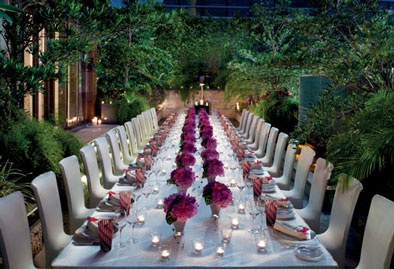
279 159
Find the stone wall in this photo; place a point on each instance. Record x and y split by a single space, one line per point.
215 98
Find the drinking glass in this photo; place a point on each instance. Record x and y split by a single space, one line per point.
253 212
132 219
120 220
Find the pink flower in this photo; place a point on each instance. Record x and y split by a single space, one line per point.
182 177
185 159
209 154
179 207
209 143
217 193
213 168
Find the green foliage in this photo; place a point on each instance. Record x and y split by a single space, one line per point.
129 107
37 147
364 145
10 180
280 110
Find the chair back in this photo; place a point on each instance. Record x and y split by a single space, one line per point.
149 124
321 175
378 241
154 118
47 197
296 194
247 125
117 160
263 140
269 153
284 181
71 175
259 129
279 153
125 147
252 130
15 242
109 178
336 235
242 120
131 138
137 133
96 190
143 127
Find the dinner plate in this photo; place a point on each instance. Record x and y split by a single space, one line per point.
86 233
309 253
268 188
257 171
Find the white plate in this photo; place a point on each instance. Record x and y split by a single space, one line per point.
309 253
284 214
257 171
292 240
84 232
268 189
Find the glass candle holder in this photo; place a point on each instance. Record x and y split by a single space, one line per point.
165 252
155 238
221 249
198 245
226 235
141 218
261 242
241 207
159 203
234 223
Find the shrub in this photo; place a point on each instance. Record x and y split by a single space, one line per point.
127 109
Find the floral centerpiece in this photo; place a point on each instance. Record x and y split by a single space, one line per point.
209 154
179 207
209 142
185 159
183 177
188 146
213 168
217 195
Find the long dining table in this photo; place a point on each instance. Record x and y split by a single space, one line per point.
280 251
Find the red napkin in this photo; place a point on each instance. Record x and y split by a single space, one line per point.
271 207
125 198
246 168
105 234
140 177
257 186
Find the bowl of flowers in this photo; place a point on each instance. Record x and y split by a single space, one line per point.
212 169
182 177
217 195
185 159
178 208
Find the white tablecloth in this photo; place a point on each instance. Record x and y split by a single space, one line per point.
240 252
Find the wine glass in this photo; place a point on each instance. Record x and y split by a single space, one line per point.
260 205
241 186
132 219
146 191
253 212
121 222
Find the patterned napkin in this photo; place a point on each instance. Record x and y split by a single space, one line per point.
158 139
125 198
271 207
153 147
257 186
105 234
140 177
148 158
246 168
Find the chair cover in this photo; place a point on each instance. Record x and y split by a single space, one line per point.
269 152
117 160
280 147
109 177
284 181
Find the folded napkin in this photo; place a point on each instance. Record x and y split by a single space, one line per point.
140 161
268 180
113 198
256 164
92 226
299 232
105 228
283 202
249 153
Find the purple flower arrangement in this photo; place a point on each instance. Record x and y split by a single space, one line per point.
185 159
213 168
182 177
179 207
217 193
209 154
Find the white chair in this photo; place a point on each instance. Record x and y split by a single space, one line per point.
284 181
266 160
263 140
96 191
148 120
46 194
259 129
242 128
131 138
249 127
109 178
280 147
321 175
141 141
248 122
15 242
127 156
296 194
143 127
242 120
155 120
117 160
252 131
336 235
77 211
378 240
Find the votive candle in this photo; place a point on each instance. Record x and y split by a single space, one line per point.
234 223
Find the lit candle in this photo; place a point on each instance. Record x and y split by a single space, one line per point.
261 243
220 251
159 203
241 208
155 240
233 183
165 254
94 120
198 247
234 223
99 121
201 102
196 103
141 219
155 189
